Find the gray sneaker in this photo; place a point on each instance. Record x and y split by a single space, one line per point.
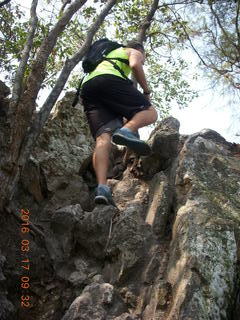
126 137
104 195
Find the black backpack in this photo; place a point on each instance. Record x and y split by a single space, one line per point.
95 55
98 52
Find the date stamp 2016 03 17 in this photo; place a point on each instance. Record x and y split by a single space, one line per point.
25 259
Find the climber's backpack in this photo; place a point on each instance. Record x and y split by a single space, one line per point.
95 55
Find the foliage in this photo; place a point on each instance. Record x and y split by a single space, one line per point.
169 86
12 38
166 69
164 37
217 39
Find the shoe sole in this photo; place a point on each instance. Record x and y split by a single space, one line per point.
104 200
101 200
138 146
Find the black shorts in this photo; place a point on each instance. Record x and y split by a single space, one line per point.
107 99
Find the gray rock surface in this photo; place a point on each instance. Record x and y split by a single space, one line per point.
169 252
7 309
202 264
164 142
94 303
4 90
63 146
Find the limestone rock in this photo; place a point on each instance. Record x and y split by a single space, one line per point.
92 232
160 203
7 309
164 142
4 102
170 250
63 146
63 224
94 303
129 191
4 122
202 265
4 90
127 316
129 243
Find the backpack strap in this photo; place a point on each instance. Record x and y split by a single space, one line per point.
119 59
75 101
117 67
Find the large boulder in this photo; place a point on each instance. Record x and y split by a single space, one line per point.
7 309
203 251
53 169
170 250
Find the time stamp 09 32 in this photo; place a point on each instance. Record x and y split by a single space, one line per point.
25 259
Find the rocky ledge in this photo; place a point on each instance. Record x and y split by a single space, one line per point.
170 251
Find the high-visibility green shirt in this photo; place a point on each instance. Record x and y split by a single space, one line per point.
106 67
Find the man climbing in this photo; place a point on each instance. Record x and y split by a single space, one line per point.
108 98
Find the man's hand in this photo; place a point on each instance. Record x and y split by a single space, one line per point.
147 95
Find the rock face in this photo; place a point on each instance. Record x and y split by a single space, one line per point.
169 252
203 260
4 108
65 144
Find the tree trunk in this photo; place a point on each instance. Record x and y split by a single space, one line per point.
23 125
141 37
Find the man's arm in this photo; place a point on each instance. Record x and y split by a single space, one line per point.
136 60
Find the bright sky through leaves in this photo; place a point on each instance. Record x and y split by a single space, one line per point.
209 110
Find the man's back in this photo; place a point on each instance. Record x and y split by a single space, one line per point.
107 67
108 97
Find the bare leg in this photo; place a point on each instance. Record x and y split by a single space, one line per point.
101 157
142 119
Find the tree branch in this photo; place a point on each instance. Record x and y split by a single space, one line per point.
185 2
141 37
189 39
65 3
221 26
69 65
37 74
237 23
21 113
72 62
17 87
221 50
147 21
4 2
